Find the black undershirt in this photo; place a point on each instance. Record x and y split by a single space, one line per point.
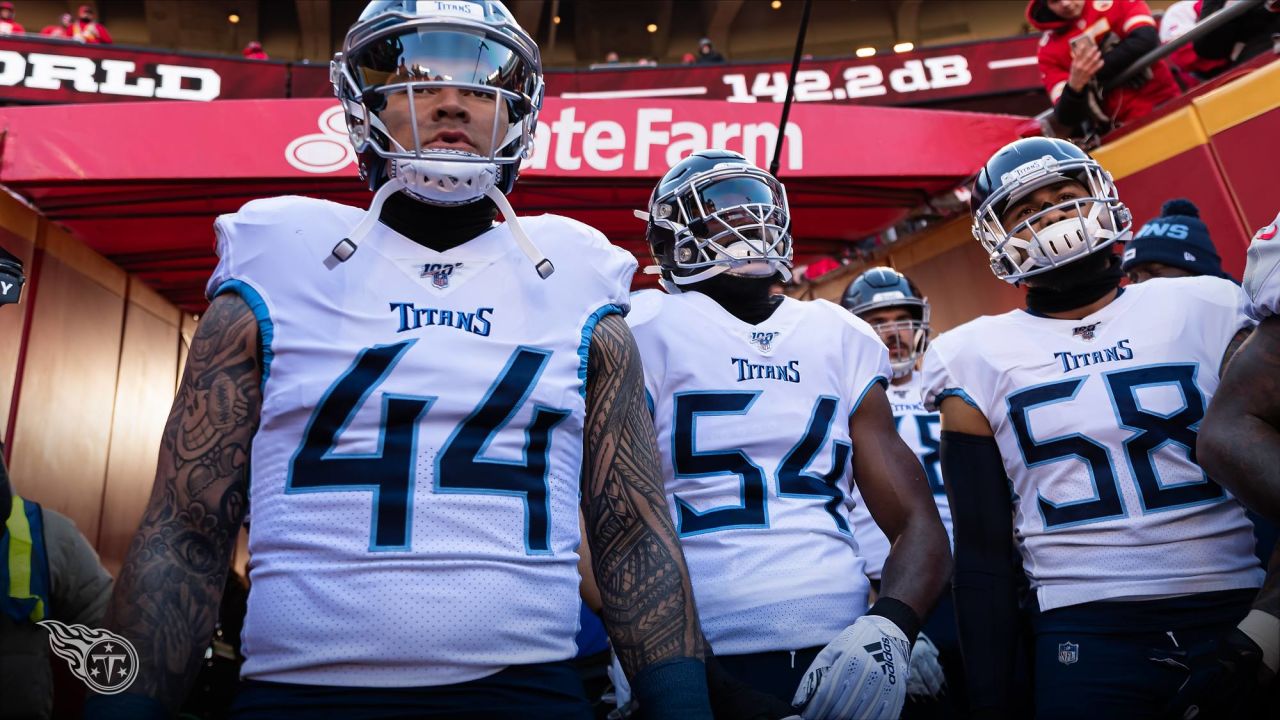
438 227
1074 285
746 298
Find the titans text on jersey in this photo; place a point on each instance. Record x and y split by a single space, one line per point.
413 318
1072 360
786 372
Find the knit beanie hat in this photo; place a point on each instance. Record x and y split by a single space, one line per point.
1178 238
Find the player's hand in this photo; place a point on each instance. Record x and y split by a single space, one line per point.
1221 676
862 674
1085 63
926 679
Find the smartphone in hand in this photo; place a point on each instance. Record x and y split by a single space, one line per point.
1080 42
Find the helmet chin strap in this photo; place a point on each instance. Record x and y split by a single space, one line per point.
348 245
531 251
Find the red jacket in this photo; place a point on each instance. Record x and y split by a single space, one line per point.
11 27
1100 19
90 32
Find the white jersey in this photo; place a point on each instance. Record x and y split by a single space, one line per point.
919 429
414 483
1262 273
753 427
1096 422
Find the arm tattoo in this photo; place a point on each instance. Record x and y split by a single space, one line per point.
166 599
1236 341
644 583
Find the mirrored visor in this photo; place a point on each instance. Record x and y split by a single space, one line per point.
720 195
449 56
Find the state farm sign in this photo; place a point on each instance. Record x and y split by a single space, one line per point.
43 71
644 141
652 137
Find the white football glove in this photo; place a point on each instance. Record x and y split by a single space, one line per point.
861 675
926 679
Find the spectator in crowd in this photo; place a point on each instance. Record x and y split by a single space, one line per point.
1243 38
707 53
611 58
65 583
8 25
1088 44
1189 68
687 59
1176 244
254 51
87 29
63 30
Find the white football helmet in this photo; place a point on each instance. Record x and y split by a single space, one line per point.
1020 168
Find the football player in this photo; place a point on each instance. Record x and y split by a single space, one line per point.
896 310
759 401
416 411
1239 444
1070 426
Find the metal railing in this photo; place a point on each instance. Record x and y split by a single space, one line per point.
1198 31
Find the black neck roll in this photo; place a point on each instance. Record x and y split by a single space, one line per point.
435 226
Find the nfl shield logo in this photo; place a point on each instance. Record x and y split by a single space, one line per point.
1085 332
439 273
1068 653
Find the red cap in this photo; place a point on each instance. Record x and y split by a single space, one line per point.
6 6
85 9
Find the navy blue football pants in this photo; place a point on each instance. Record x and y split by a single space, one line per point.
548 691
1092 660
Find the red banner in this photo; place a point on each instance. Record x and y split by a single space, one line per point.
41 70
576 140
926 76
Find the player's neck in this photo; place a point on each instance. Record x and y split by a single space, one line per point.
901 380
1076 290
436 227
1087 310
745 298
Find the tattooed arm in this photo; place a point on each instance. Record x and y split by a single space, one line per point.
1239 439
639 566
166 598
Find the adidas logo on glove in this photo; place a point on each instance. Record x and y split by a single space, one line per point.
882 653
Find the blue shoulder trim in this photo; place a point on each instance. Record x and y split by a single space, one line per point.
955 392
584 348
259 307
880 380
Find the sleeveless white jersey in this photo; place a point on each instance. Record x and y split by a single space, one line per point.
414 487
919 429
1096 422
753 428
1262 273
